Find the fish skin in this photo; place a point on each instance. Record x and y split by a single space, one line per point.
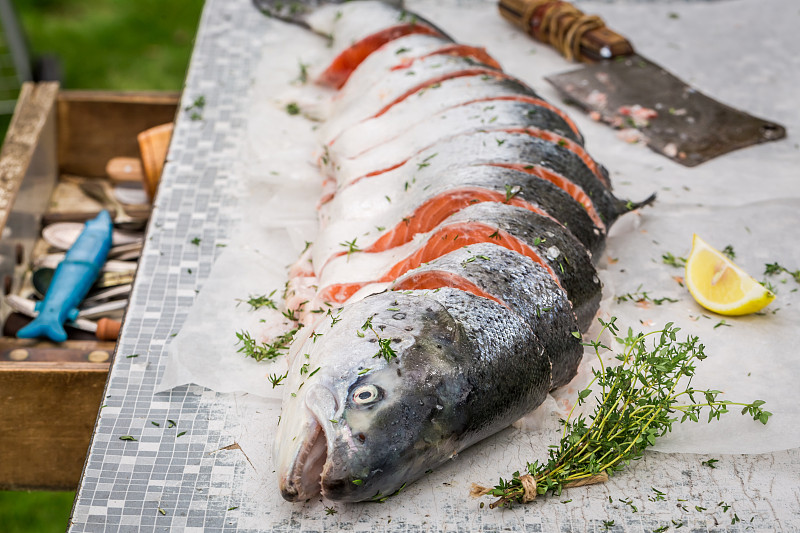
343 23
394 83
458 377
527 289
554 244
392 55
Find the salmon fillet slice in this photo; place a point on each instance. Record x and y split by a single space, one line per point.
437 279
432 82
441 242
548 136
459 50
345 63
435 210
562 183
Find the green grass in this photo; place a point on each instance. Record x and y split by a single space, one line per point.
42 512
4 121
101 44
113 44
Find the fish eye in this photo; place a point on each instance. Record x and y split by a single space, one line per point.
366 394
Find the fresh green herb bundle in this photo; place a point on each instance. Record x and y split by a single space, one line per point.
639 400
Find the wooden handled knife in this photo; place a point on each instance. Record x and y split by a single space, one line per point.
626 90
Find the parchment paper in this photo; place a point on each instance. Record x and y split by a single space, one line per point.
749 199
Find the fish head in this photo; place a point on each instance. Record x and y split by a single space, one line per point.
384 403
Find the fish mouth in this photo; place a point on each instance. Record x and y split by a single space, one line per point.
302 457
304 480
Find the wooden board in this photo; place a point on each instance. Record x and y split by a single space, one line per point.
48 412
95 126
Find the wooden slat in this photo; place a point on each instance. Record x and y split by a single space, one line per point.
69 351
47 412
33 109
95 126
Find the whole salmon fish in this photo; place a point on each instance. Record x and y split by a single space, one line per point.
452 275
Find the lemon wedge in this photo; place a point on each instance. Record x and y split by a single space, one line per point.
719 285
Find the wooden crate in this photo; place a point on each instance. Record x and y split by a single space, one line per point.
50 394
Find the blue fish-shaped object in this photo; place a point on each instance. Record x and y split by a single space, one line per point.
72 280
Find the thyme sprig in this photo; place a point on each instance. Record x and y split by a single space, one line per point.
259 301
351 246
276 379
260 350
639 400
639 296
728 251
771 269
511 192
673 260
385 349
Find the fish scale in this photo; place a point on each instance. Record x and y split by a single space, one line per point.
555 245
432 339
526 288
508 369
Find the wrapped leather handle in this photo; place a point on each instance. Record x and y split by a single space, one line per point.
574 34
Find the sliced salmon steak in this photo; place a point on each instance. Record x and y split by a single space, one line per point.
445 293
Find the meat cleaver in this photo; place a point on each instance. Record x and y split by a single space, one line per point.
625 89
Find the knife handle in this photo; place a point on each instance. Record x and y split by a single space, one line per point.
576 35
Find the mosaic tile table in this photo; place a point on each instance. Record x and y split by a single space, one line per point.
189 472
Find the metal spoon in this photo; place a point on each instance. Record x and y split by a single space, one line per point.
42 277
112 265
62 235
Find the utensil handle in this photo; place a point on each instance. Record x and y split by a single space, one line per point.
108 329
576 35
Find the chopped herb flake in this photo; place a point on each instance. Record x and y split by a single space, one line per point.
276 380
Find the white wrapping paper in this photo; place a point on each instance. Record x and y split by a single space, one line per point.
749 199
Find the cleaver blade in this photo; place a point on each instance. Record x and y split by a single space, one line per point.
626 90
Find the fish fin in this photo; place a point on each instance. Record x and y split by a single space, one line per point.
44 326
624 206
